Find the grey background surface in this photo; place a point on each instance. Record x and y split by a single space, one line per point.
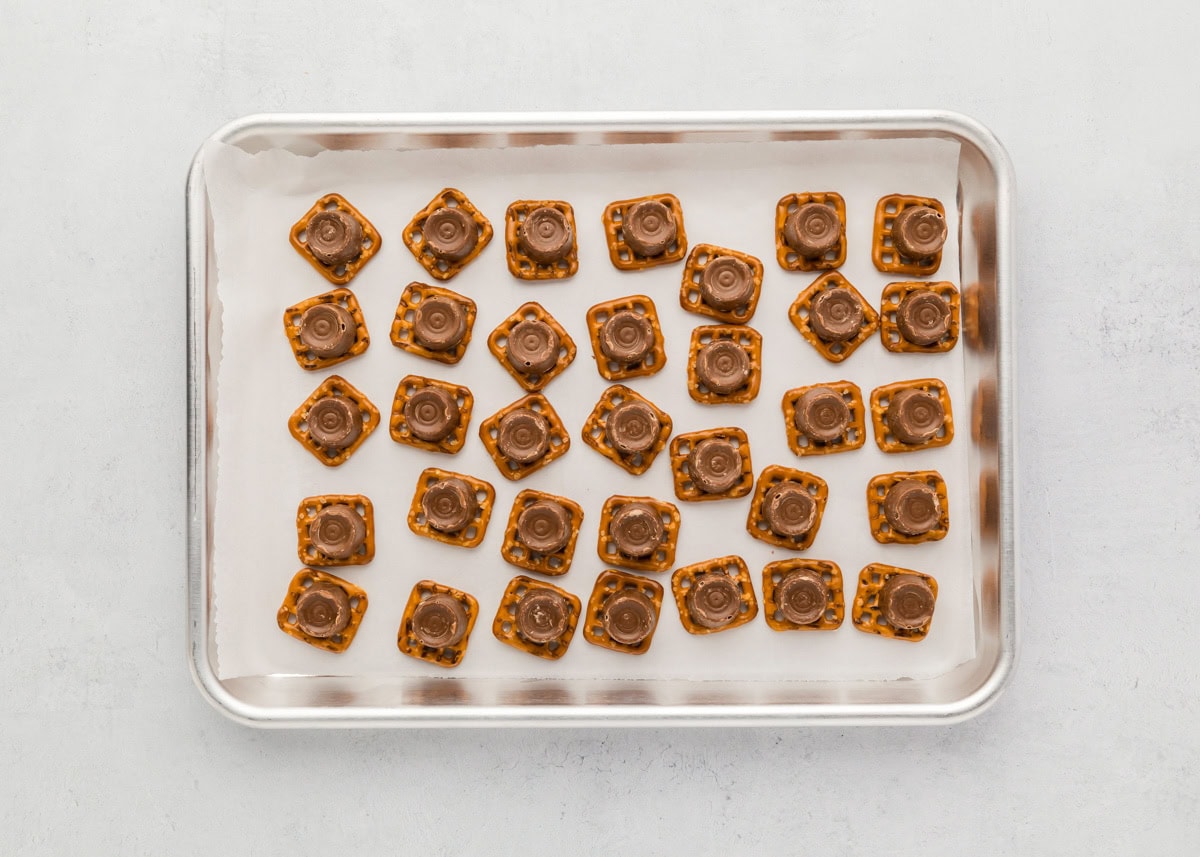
106 746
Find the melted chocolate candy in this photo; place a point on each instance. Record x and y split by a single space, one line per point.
432 414
451 234
812 230
789 510
912 507
524 436
541 616
334 237
545 235
338 531
923 318
632 427
802 596
906 601
532 347
327 330
822 414
915 416
648 227
836 315
714 465
713 600
723 366
919 232
726 283
439 621
449 505
637 530
629 617
544 527
626 337
439 323
323 610
334 423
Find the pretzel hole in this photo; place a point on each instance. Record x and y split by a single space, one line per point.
291 618
306 582
472 532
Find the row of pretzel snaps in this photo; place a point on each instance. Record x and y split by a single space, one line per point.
638 532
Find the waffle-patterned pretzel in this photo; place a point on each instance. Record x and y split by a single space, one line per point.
469 536
830 619
498 342
681 448
312 555
664 555
853 437
612 583
309 359
800 310
757 523
746 338
402 324
651 363
691 296
520 264
622 255
401 431
559 439
507 626
305 579
734 567
338 387
881 398
444 656
418 244
867 614
788 258
595 430
343 273
891 332
516 552
883 251
877 491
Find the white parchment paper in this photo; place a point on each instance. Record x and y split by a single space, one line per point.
728 192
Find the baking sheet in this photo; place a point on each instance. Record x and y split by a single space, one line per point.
728 192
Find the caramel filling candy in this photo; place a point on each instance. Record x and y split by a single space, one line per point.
638 532
623 612
919 317
451 507
910 232
725 364
532 346
524 437
833 316
803 595
322 610
627 429
645 232
894 602
787 507
335 238
335 530
908 507
539 238
824 418
715 595
433 322
537 618
910 415
326 330
721 283
711 465
437 624
542 532
431 414
627 340
810 231
447 234
333 421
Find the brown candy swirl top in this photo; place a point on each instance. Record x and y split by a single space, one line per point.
327 330
532 347
812 230
907 601
323 610
334 237
449 505
923 317
626 337
714 465
334 423
912 507
726 283
544 527
822 414
432 414
439 621
545 235
524 436
337 531
713 600
836 315
789 510
919 231
915 416
648 227
723 366
451 234
541 616
632 427
439 323
629 617
802 596
637 530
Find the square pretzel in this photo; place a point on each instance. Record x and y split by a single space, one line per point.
523 267
398 425
788 258
343 273
504 626
731 566
414 234
595 430
622 255
889 330
681 448
498 339
750 341
884 253
690 297
406 311
489 432
835 601
309 553
337 386
756 523
854 436
291 326
866 614
650 364
516 553
443 656
798 314
877 490
469 536
286 615
662 558
609 583
881 397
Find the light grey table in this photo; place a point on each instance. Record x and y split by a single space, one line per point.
105 746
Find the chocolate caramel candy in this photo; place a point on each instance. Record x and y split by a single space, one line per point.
714 465
323 610
337 531
812 230
822 414
632 427
915 416
334 237
726 283
802 596
923 317
648 227
545 235
789 509
906 601
723 366
334 423
637 530
523 436
713 600
449 505
629 617
327 330
439 621
451 234
439 323
532 347
919 232
626 337
432 414
544 527
541 616
836 315
912 507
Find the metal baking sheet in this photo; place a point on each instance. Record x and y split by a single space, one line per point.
298 695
